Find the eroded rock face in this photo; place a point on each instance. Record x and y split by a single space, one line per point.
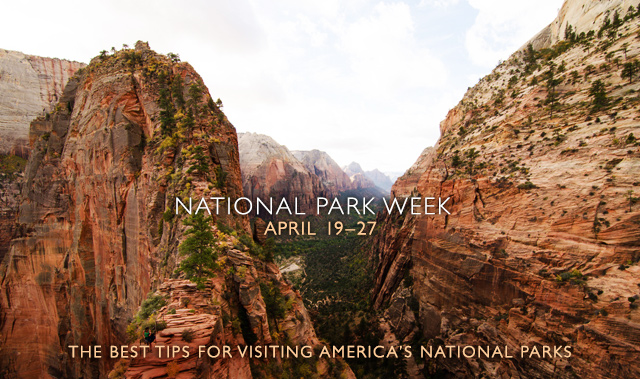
92 239
322 165
270 170
229 311
30 86
541 246
9 202
583 16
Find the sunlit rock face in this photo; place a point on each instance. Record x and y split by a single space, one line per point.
91 237
97 233
541 246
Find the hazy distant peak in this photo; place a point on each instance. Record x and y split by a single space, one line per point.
353 168
256 149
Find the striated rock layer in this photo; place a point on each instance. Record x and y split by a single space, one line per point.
96 225
212 317
9 202
30 85
583 16
542 243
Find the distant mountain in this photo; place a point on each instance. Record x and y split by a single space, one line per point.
380 179
353 168
368 178
394 175
270 170
322 165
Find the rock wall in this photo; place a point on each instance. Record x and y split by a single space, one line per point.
213 317
541 246
31 86
582 15
324 167
9 201
95 226
270 170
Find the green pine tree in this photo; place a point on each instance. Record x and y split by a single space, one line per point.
598 95
629 70
199 249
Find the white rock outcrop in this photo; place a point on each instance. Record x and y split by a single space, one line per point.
30 85
583 16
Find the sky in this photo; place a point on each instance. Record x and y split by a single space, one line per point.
365 81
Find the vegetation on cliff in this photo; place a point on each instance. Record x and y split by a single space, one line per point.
541 161
199 249
11 166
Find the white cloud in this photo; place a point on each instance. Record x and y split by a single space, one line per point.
502 26
384 55
356 84
364 80
438 3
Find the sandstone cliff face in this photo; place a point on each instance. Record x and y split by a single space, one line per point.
214 316
96 227
323 166
29 85
583 16
408 182
269 170
541 247
9 201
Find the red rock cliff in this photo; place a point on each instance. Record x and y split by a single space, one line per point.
96 230
541 247
270 170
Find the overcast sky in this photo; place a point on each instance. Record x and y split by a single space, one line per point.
365 81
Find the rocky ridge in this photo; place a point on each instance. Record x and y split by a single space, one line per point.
541 247
582 15
96 225
214 316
